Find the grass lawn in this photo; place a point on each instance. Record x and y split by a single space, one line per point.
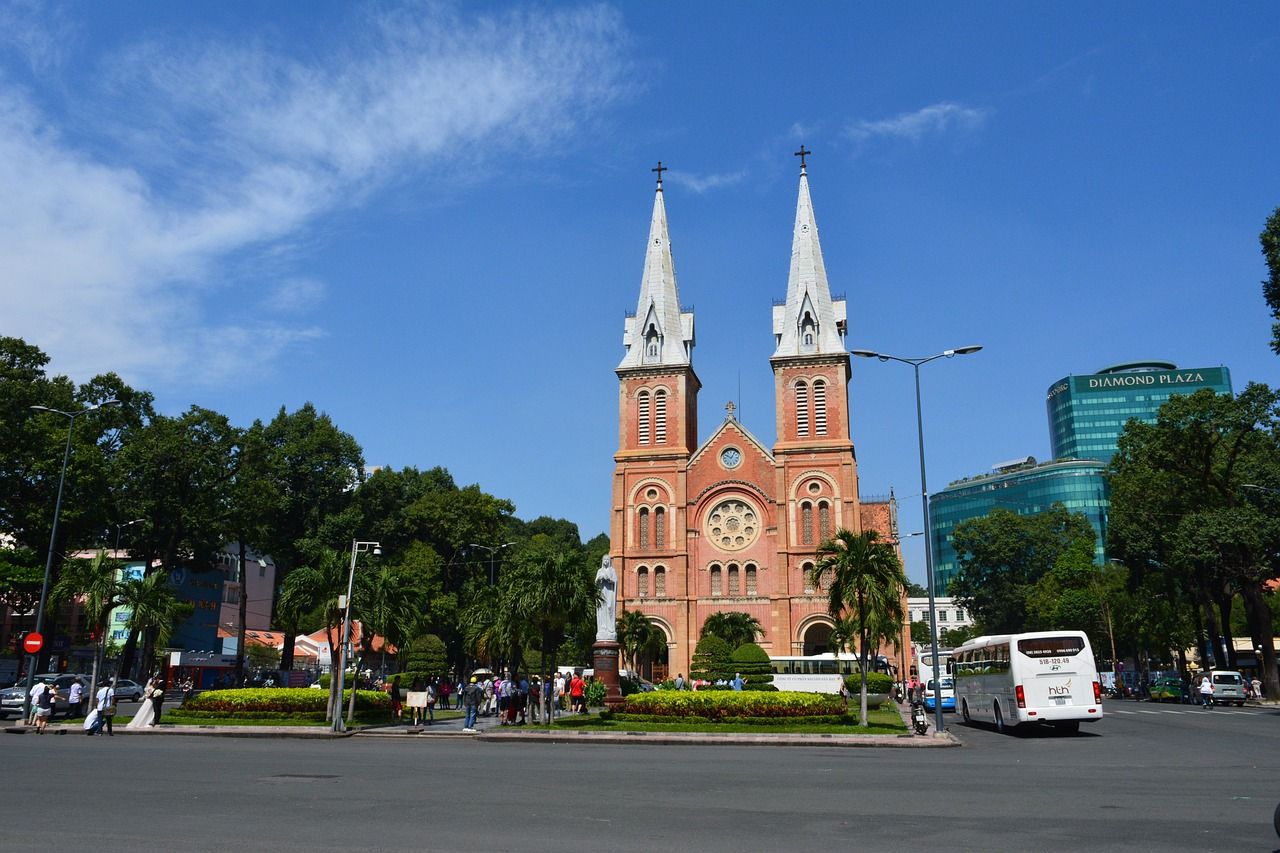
881 722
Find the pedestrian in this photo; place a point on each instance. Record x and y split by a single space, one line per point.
737 682
105 705
431 703
680 681
472 695
445 688
157 699
488 688
457 694
417 701
44 711
1257 687
75 699
37 690
535 700
397 701
578 693
1206 691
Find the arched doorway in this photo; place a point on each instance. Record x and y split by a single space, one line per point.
817 639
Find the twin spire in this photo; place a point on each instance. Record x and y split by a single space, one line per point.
810 323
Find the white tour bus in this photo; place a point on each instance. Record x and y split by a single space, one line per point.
821 673
1047 677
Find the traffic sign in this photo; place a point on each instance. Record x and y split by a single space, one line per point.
32 643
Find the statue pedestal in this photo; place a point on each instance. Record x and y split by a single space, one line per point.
605 655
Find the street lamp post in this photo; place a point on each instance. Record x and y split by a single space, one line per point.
53 536
357 547
493 554
924 500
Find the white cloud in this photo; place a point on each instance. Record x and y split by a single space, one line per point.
705 183
935 118
111 246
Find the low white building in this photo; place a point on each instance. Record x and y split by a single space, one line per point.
950 614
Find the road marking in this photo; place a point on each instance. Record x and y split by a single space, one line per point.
1147 712
1118 711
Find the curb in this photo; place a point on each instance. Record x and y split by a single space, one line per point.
907 741
202 731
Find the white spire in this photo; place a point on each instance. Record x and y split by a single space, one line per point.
810 323
659 333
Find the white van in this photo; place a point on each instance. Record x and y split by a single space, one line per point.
1228 687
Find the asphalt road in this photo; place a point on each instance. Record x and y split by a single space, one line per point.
1144 778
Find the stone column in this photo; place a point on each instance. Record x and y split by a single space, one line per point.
604 656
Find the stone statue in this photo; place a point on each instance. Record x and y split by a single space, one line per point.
607 609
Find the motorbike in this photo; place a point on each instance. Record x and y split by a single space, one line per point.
919 720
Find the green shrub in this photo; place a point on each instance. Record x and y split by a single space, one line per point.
712 660
300 716
753 663
596 692
818 720
715 705
280 699
425 660
326 679
877 682
669 684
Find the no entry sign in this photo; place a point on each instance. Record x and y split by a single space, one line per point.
32 643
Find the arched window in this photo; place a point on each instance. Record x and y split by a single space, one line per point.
660 528
819 407
807 571
642 408
644 527
824 519
716 588
802 408
806 523
660 416
660 582
733 579
751 579
652 344
642 581
808 332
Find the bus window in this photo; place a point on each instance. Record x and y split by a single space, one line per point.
1045 647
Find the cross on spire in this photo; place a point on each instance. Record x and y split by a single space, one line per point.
660 169
802 153
728 408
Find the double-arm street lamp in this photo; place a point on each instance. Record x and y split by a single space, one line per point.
924 500
53 535
493 555
358 547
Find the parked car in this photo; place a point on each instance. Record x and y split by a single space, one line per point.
1166 689
128 691
1228 687
11 700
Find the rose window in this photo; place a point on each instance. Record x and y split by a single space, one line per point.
732 525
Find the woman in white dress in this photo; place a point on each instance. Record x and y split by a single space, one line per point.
146 711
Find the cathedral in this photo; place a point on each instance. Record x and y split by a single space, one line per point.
729 524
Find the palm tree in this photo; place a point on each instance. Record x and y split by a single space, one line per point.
95 580
390 604
732 626
153 610
867 582
640 638
319 584
548 592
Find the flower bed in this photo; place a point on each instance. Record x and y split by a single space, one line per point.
279 700
719 705
816 720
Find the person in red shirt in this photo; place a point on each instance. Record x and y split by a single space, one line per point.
578 693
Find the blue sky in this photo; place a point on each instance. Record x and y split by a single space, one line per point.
430 219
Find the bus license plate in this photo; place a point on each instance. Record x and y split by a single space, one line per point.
1061 700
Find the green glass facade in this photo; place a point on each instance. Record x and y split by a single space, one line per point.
1088 413
1076 484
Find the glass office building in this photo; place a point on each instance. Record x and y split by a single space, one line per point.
1022 487
1088 413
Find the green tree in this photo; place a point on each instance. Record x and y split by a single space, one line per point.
1270 239
712 660
1211 523
318 584
251 502
1003 555
424 659
915 590
96 582
262 657
640 638
753 663
153 611
867 583
732 626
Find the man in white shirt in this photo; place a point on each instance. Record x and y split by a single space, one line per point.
36 690
106 705
74 697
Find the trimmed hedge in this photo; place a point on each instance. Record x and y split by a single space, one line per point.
290 700
303 717
877 682
717 705
821 720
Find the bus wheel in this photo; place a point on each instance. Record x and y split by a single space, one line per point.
1069 728
964 712
999 719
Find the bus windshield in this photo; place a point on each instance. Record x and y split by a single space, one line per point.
1044 647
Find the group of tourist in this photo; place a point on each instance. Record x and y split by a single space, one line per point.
514 700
